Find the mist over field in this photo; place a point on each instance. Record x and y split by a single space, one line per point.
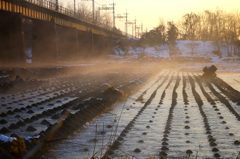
75 84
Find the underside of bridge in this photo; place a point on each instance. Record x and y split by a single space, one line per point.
42 39
12 48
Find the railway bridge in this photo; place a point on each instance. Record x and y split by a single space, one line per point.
48 33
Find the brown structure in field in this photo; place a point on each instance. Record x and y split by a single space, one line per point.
209 72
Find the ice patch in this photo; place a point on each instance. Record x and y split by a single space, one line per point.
136 80
34 137
87 99
28 52
106 84
120 86
4 76
29 60
6 139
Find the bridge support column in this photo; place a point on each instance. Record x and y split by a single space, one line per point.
85 43
98 44
44 46
12 50
110 44
67 43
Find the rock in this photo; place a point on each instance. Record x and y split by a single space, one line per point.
30 128
164 148
55 117
86 149
3 115
236 142
16 110
109 126
13 126
189 152
10 112
137 150
215 149
17 116
3 121
20 123
120 138
30 112
217 155
4 131
27 120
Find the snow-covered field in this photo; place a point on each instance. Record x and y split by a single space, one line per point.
203 51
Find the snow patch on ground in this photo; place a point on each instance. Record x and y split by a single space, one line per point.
7 139
34 137
203 51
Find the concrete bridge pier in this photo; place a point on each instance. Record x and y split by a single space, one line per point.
12 50
98 44
109 45
67 43
85 43
44 45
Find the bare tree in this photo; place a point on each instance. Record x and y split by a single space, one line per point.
190 22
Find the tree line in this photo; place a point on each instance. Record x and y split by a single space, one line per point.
218 26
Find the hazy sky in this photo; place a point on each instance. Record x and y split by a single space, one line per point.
149 11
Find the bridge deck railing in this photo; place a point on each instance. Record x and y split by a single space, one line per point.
53 6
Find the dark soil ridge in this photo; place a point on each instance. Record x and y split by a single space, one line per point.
223 100
211 140
140 98
210 100
170 116
124 132
229 91
54 110
75 121
185 96
164 92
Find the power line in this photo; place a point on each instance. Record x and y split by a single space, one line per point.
92 8
116 10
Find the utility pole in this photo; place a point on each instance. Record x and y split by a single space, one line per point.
56 5
74 7
142 28
104 7
113 13
126 23
93 9
134 22
132 26
138 30
132 29
135 26
121 17
98 15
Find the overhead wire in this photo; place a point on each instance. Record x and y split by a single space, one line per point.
118 10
